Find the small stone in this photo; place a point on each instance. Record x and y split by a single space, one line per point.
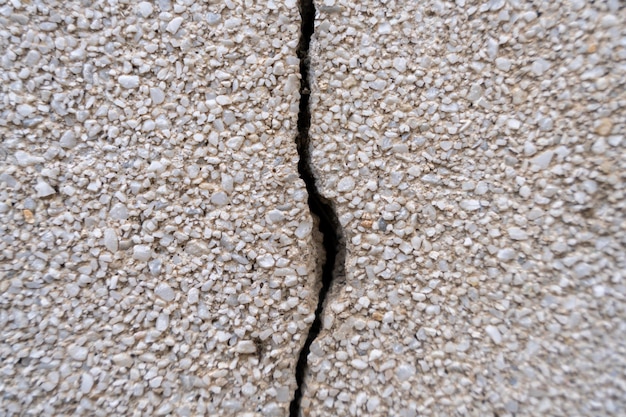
165 292
400 64
193 296
28 216
539 66
346 184
86 383
223 100
275 216
542 161
405 371
145 9
119 212
220 199
506 254
142 253
162 322
604 126
25 110
372 404
503 64
174 25
68 140
44 189
197 247
265 261
359 364
123 359
470 205
213 19
110 240
303 230
494 334
516 233
25 159
513 124
128 81
157 95
78 353
245 346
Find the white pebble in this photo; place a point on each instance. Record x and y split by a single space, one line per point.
359 364
539 66
25 110
174 25
157 95
162 322
405 371
165 292
78 353
123 359
265 261
494 334
128 81
506 254
542 160
119 212
346 184
44 189
245 346
110 240
68 140
470 205
193 296
142 253
25 159
86 383
516 233
145 9
219 199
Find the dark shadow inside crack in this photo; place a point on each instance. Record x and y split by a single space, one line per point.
322 208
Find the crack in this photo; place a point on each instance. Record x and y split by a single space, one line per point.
320 207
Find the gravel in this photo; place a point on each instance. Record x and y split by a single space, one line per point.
150 205
475 154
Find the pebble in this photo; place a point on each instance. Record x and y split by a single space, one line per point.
142 253
220 199
44 189
128 81
110 240
28 216
123 359
542 161
174 25
145 9
346 184
78 353
86 383
494 334
165 292
604 126
266 261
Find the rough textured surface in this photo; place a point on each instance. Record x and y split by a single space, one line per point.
476 156
156 251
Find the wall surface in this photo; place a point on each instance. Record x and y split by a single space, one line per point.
159 251
156 247
475 153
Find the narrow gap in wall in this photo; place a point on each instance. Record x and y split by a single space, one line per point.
322 208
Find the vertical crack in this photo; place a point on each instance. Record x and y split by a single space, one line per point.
320 207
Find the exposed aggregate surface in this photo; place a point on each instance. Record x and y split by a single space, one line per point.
475 153
158 257
156 249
